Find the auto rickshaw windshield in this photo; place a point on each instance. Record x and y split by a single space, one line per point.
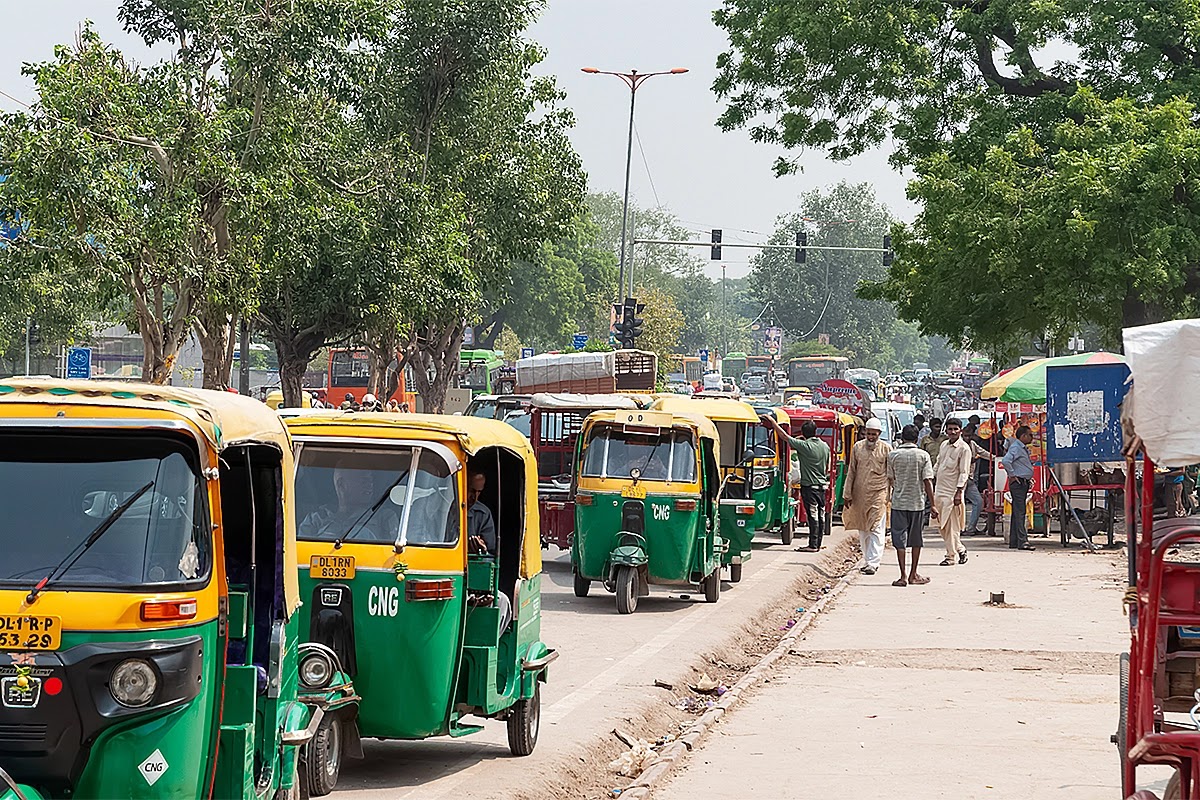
359 493
666 456
57 489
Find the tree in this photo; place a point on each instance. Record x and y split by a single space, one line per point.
1049 163
456 79
818 296
664 323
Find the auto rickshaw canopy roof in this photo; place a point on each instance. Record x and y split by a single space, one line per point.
224 419
564 401
716 409
472 434
701 425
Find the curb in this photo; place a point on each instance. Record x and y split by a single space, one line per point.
674 754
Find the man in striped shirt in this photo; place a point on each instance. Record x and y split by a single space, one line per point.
910 476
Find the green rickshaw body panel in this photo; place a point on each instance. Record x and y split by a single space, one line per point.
183 736
738 530
772 505
491 679
407 652
838 485
677 549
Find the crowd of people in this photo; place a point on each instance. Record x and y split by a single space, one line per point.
937 474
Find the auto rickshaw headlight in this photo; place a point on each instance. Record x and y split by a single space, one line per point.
133 683
316 670
761 480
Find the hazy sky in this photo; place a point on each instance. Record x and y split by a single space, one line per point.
708 178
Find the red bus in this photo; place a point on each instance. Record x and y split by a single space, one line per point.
350 373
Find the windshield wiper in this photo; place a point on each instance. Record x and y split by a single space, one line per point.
69 560
367 513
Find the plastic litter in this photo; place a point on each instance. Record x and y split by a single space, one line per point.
800 610
694 705
787 625
705 684
633 760
721 690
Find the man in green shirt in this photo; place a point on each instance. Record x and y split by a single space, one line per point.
813 455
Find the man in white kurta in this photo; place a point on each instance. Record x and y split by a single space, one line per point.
865 494
950 478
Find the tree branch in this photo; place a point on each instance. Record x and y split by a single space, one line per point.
1030 84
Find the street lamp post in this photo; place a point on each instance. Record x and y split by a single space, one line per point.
632 79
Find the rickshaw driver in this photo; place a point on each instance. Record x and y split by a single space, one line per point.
481 536
356 493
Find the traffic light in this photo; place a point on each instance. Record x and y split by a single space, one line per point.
887 251
630 325
35 333
716 244
801 243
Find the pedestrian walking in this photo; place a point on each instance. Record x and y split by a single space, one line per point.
980 462
910 476
951 474
1019 467
813 456
865 494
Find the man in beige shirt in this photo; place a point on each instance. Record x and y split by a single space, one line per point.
951 474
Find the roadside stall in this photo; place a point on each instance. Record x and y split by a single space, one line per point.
1019 395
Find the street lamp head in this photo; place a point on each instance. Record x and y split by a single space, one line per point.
590 70
679 70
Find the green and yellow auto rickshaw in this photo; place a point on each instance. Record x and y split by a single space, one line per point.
647 488
420 568
734 421
774 508
148 635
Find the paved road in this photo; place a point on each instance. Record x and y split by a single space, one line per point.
928 692
608 665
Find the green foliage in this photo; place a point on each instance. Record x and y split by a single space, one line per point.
810 347
664 323
1055 193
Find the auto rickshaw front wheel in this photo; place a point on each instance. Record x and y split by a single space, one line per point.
787 529
323 757
712 585
627 590
523 722
582 584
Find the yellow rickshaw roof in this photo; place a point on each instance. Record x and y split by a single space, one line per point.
703 426
223 417
716 409
472 433
848 419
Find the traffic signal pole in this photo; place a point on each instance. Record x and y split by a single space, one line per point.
28 329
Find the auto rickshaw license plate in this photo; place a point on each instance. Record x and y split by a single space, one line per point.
327 567
30 632
638 492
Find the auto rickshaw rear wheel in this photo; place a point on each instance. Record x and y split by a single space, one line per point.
582 584
712 586
323 761
735 573
523 723
627 590
787 529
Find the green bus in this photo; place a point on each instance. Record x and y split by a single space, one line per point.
733 365
477 370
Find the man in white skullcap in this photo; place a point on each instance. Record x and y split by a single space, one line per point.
865 494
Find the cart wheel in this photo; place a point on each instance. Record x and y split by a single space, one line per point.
1172 792
787 529
323 757
627 590
735 573
582 584
523 723
712 586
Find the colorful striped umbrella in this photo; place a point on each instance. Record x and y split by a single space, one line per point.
1027 383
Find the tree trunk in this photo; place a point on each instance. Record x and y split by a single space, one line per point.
214 330
435 348
294 350
383 348
490 331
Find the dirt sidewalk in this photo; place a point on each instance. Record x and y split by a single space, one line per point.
931 692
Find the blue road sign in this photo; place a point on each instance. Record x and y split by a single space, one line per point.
526 352
579 340
703 356
79 362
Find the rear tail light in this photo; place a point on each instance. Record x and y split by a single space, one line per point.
583 499
429 590
158 610
746 509
685 505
